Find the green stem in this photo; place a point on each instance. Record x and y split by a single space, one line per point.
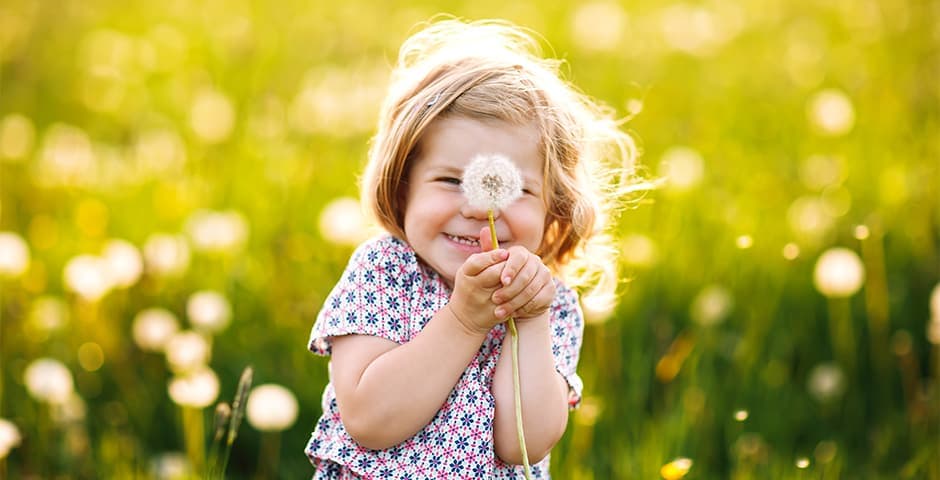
194 437
516 384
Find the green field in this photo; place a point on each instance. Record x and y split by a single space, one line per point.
190 166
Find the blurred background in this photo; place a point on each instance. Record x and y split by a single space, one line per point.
177 197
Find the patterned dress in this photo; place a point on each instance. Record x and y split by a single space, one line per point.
386 292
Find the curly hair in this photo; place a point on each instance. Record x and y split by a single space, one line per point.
495 70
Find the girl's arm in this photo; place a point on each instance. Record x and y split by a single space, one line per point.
387 392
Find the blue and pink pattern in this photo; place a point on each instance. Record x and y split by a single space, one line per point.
385 291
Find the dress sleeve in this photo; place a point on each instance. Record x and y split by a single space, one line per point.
370 298
567 322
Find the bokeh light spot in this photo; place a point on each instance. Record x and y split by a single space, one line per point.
90 356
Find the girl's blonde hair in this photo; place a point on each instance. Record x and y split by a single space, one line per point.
494 70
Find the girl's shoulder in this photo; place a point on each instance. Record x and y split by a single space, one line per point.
564 294
383 249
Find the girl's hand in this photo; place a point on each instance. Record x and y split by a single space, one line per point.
474 284
527 288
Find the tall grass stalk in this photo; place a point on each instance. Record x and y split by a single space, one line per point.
238 412
222 415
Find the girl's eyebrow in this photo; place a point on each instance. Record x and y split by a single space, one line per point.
445 169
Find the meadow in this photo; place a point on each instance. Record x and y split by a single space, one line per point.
178 195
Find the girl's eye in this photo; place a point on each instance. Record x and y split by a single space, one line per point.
450 180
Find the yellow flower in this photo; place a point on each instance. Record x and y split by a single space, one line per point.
676 469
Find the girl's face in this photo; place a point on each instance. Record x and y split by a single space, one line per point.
439 224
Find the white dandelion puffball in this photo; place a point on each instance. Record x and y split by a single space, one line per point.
166 254
712 305
683 168
839 273
123 261
48 380
491 182
935 303
9 437
826 382
153 328
197 389
212 116
170 466
89 276
14 255
271 408
209 311
342 222
217 231
187 351
933 331
831 112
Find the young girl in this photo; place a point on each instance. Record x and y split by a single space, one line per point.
418 385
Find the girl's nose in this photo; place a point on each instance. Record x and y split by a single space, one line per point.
479 213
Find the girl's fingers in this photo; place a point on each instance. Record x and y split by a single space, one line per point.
478 262
540 303
524 292
519 257
520 280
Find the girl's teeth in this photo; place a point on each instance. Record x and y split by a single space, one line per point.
465 241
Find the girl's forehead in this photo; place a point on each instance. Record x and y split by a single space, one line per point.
455 141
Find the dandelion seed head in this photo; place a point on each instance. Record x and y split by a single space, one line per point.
48 380
491 182
271 408
166 254
14 255
343 223
933 331
170 466
935 303
124 262
826 382
89 276
712 305
209 311
153 328
9 437
839 273
217 232
197 389
187 351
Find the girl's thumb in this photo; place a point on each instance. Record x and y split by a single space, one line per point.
486 240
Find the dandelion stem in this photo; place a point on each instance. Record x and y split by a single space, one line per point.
514 350
193 431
